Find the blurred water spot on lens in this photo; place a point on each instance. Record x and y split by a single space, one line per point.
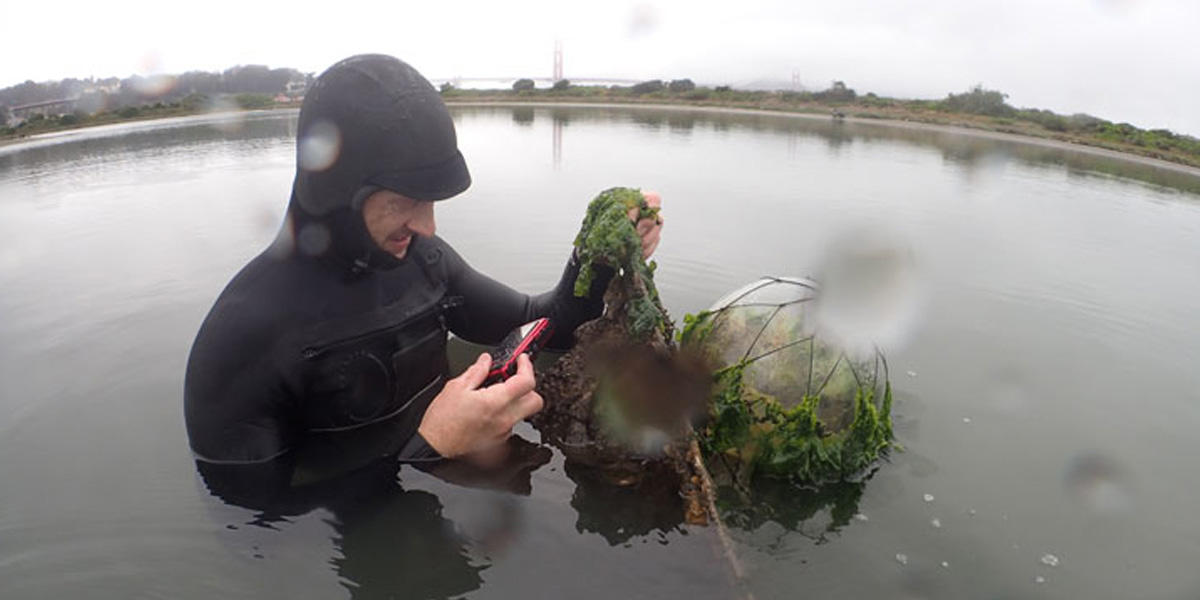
493 520
152 82
918 465
320 146
870 290
1098 483
643 19
285 242
93 102
643 397
1049 560
231 117
153 86
1006 392
266 219
314 239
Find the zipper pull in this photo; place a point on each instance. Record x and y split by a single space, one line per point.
445 304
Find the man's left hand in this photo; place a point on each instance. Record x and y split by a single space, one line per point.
649 229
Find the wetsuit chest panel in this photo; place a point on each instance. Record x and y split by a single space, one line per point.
378 365
377 376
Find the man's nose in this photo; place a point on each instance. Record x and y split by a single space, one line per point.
422 223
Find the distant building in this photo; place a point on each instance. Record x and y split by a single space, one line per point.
49 108
296 87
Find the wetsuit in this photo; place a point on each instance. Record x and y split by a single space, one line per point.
294 348
324 340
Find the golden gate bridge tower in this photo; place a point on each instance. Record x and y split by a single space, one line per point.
558 63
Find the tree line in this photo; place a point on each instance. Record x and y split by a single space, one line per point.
113 93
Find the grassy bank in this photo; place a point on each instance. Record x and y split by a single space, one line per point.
970 110
191 105
976 109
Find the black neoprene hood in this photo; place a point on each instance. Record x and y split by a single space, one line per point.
373 120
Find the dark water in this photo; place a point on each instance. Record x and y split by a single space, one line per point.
1043 347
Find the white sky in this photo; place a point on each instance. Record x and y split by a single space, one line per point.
1123 60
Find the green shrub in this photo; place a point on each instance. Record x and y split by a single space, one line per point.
253 101
679 86
837 92
979 101
647 87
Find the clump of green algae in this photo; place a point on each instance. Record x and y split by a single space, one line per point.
608 237
751 433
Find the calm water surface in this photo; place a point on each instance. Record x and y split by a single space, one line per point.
1048 398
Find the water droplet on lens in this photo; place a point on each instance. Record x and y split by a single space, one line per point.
902 559
929 497
1006 392
869 291
319 147
861 517
966 420
313 239
911 373
971 512
231 117
945 565
1050 560
153 86
936 523
1039 579
1098 483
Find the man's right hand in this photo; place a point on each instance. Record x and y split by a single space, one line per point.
465 419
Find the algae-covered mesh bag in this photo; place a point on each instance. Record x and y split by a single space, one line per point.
788 402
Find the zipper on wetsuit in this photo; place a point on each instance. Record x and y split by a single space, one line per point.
445 304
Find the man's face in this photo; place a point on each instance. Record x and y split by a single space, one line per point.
393 220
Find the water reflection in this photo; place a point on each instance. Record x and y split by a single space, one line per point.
810 511
620 513
58 153
974 153
390 542
104 288
522 115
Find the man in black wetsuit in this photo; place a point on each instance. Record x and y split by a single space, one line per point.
337 331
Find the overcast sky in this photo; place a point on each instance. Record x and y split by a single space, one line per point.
1123 60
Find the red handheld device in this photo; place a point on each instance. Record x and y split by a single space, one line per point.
526 339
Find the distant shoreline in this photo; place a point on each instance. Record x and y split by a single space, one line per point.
889 116
898 123
894 116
